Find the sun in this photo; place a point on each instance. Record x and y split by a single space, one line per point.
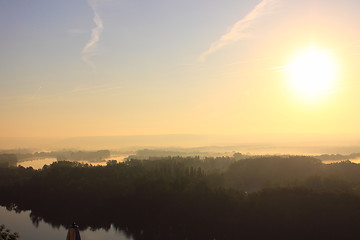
313 73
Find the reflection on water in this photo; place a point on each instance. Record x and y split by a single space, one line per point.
21 223
118 158
39 163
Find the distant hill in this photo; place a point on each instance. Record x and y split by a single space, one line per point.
271 144
210 143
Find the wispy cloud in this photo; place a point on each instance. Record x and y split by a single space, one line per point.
91 47
238 30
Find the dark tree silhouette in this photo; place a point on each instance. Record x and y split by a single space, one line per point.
6 234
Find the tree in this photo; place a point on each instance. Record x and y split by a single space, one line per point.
8 160
5 234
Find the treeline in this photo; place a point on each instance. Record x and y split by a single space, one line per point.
144 154
151 153
65 155
335 157
190 198
8 160
254 174
83 155
247 175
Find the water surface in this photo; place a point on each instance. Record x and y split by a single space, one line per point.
21 223
40 162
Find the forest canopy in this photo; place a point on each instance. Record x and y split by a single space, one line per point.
193 198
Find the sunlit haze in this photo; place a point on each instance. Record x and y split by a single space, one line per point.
258 70
313 73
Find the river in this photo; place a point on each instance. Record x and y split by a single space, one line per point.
39 163
21 223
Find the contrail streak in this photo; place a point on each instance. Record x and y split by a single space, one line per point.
237 31
90 48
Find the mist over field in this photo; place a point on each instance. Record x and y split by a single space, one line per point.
270 144
174 194
178 187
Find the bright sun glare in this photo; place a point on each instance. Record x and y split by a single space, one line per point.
313 73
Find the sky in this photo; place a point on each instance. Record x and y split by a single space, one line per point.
129 67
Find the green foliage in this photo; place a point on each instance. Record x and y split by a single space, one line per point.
6 234
194 198
253 174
